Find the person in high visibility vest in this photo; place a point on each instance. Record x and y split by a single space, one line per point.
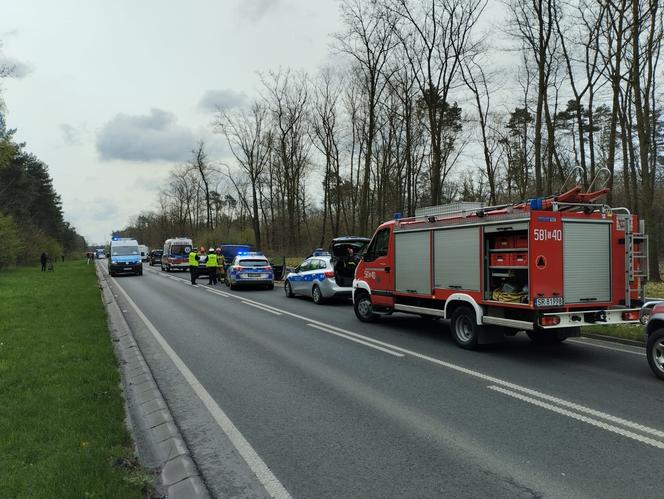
193 264
211 266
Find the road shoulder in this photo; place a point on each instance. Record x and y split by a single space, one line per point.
159 443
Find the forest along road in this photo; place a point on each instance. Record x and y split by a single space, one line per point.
280 397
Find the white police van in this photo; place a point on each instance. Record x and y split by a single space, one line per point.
124 257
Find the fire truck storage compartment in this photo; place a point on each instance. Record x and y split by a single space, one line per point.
586 261
506 249
457 258
412 259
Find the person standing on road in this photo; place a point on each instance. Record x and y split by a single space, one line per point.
202 258
211 266
221 263
44 260
193 264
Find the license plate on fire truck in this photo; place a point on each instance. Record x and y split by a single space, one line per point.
549 301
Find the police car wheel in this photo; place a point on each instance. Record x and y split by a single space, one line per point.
363 307
655 352
464 328
317 295
270 286
232 286
288 290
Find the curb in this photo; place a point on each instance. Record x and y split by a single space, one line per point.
158 441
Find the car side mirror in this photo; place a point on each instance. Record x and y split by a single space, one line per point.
296 269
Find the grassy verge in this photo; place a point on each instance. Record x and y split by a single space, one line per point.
62 431
625 331
655 289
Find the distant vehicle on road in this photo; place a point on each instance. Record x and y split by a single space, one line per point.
125 257
326 275
250 269
154 257
655 340
100 254
176 253
145 252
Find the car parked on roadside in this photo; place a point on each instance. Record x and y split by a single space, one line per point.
327 274
154 258
655 340
250 268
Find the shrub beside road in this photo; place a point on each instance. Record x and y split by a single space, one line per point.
62 431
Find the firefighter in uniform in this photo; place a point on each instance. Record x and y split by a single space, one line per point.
221 262
193 263
211 266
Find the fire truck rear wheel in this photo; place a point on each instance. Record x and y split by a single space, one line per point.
464 328
363 307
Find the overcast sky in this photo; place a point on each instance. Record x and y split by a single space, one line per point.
112 94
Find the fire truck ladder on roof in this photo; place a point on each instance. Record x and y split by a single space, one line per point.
636 262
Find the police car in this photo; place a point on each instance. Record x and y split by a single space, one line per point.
324 274
250 268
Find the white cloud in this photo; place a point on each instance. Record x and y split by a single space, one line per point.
255 10
226 98
152 137
71 135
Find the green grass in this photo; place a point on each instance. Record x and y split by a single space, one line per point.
626 331
62 431
655 289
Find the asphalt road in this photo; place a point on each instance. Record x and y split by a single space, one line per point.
279 396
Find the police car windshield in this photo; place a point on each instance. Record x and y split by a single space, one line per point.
178 249
124 250
253 262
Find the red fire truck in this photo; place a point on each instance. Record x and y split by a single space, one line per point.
547 267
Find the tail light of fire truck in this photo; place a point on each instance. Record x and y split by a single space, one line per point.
632 315
549 320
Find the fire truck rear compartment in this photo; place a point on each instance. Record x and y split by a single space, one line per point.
586 262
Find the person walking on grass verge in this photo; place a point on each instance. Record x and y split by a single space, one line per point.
193 264
44 260
211 266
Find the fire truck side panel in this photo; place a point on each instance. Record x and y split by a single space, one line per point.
412 262
586 261
545 256
457 259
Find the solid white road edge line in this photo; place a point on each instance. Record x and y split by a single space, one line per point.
580 417
365 343
592 344
476 374
261 308
272 485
